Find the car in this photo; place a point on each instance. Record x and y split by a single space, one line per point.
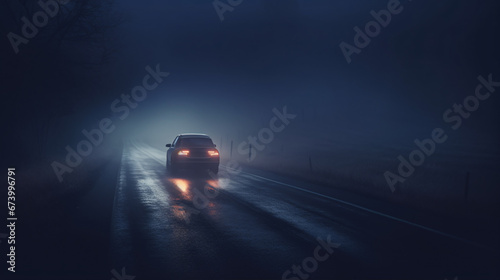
192 151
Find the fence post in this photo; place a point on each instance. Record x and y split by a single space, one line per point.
231 151
249 152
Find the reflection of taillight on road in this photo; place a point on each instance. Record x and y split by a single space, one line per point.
183 153
213 153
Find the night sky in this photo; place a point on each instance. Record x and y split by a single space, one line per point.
228 67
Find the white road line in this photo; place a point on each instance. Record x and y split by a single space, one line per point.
359 207
370 211
120 232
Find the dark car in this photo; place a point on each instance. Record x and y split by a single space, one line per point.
192 151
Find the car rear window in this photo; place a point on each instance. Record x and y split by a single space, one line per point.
195 142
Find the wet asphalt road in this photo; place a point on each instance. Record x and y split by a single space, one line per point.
238 225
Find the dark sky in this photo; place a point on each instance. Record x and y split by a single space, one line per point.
227 76
287 52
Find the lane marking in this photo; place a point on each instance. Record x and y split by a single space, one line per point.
371 211
356 206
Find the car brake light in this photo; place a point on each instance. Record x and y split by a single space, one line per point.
213 153
183 153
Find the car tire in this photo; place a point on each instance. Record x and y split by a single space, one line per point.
171 169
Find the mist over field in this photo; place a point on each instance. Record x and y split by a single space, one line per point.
392 100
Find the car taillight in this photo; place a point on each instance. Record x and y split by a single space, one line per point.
183 153
213 153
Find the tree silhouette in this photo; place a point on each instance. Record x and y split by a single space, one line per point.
41 77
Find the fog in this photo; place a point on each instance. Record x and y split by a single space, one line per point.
226 77
231 74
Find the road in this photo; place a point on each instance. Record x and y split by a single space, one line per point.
242 225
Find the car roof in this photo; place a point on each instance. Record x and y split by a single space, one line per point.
193 135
